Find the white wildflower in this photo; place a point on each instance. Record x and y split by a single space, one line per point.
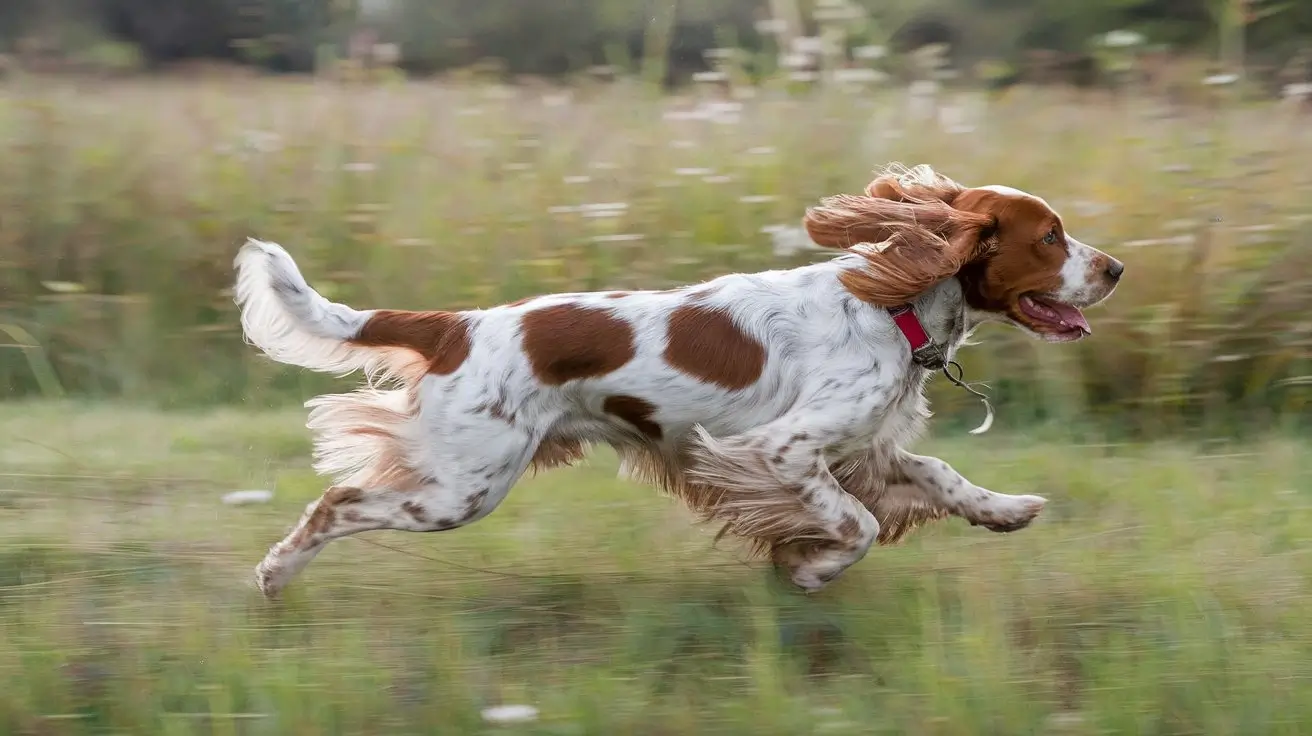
510 714
1122 39
870 52
241 498
858 75
709 77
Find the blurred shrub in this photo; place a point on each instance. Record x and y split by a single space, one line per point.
548 38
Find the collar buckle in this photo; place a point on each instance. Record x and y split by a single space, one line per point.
928 354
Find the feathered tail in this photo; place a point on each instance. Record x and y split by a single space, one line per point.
365 438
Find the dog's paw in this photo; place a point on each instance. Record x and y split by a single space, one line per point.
270 578
811 566
1015 516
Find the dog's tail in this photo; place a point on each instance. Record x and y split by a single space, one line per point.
292 323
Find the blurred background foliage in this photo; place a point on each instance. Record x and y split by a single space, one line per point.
553 38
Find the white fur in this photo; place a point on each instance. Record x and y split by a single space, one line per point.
1077 284
289 321
1007 191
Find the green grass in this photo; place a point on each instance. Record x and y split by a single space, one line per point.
1165 590
123 203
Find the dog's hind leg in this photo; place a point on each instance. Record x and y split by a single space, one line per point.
466 482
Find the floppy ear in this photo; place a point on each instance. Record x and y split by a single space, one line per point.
845 220
908 245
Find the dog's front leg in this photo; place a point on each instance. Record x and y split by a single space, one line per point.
997 512
772 484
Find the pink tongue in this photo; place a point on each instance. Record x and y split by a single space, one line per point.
1068 314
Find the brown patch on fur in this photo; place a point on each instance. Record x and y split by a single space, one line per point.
705 343
618 294
497 410
635 411
341 495
849 527
442 338
321 519
325 512
416 511
567 342
473 505
557 452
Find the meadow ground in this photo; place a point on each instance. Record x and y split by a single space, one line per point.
1165 590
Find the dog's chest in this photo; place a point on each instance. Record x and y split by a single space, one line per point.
899 423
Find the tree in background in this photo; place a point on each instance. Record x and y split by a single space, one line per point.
552 38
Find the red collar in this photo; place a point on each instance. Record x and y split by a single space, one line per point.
927 354
924 351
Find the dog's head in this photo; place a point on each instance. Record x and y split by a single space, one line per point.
1008 248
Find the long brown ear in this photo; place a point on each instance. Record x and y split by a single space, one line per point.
844 220
908 246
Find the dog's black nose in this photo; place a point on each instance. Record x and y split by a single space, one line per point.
1115 269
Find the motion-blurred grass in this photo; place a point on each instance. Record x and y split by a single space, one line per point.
122 204
1164 591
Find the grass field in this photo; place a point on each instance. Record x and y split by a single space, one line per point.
1165 590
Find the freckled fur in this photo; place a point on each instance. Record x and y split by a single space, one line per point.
776 404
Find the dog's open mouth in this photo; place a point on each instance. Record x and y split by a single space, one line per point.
1053 319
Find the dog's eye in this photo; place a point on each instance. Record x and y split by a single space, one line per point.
1051 237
